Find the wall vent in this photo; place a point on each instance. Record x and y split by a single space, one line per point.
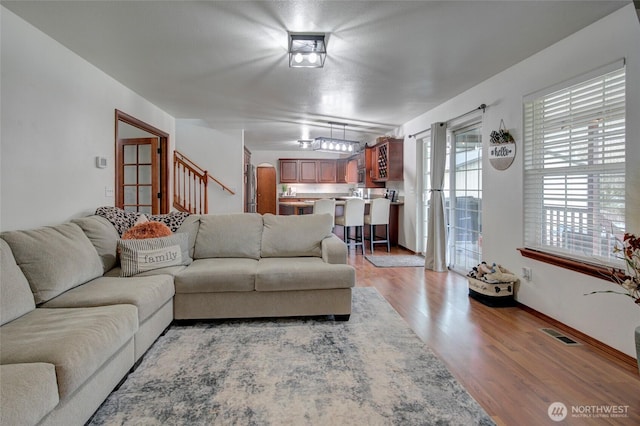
559 336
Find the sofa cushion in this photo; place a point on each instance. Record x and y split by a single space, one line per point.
334 250
54 258
190 226
289 236
103 236
169 270
152 253
229 235
78 341
281 274
217 275
148 294
16 298
28 392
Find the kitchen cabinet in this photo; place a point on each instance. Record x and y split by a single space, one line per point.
303 170
327 171
347 170
352 171
341 170
368 173
308 171
289 171
387 160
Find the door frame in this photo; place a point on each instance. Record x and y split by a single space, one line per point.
163 142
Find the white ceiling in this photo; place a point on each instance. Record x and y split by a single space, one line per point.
225 62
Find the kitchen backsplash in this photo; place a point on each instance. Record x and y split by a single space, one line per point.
324 188
301 190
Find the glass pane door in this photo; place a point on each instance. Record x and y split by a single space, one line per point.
138 175
464 203
426 186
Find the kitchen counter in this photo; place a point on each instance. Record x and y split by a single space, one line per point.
301 206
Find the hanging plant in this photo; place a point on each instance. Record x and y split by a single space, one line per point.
501 135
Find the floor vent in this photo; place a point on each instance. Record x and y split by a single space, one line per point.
559 336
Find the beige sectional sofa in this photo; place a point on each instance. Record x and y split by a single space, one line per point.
71 327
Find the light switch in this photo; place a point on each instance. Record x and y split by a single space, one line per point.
108 192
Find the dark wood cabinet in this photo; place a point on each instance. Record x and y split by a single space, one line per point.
302 170
369 175
289 171
341 170
352 171
387 160
347 170
308 171
327 170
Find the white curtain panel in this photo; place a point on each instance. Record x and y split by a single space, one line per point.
435 256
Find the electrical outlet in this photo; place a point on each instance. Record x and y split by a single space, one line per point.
526 273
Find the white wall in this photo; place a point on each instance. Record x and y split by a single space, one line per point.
553 291
58 114
221 153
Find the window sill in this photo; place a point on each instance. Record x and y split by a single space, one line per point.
597 271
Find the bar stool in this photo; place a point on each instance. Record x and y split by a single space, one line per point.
353 216
325 206
378 215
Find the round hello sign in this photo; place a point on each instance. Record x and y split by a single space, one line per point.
501 155
502 148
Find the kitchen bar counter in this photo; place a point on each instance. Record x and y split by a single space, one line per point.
306 207
300 206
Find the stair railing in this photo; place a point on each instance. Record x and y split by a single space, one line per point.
190 183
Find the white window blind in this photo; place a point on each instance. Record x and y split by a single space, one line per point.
574 169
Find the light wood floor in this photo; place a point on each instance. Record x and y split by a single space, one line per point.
499 354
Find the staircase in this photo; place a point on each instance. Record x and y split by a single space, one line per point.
190 183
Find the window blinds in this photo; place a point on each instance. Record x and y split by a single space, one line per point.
574 169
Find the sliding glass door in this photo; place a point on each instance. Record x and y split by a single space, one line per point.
464 197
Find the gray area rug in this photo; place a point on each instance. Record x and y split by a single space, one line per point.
397 261
371 370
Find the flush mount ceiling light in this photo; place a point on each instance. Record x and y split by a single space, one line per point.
307 50
305 143
331 144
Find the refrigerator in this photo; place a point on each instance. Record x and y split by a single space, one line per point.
250 188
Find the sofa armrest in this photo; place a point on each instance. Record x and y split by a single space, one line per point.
334 250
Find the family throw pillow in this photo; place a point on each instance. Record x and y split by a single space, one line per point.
138 256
